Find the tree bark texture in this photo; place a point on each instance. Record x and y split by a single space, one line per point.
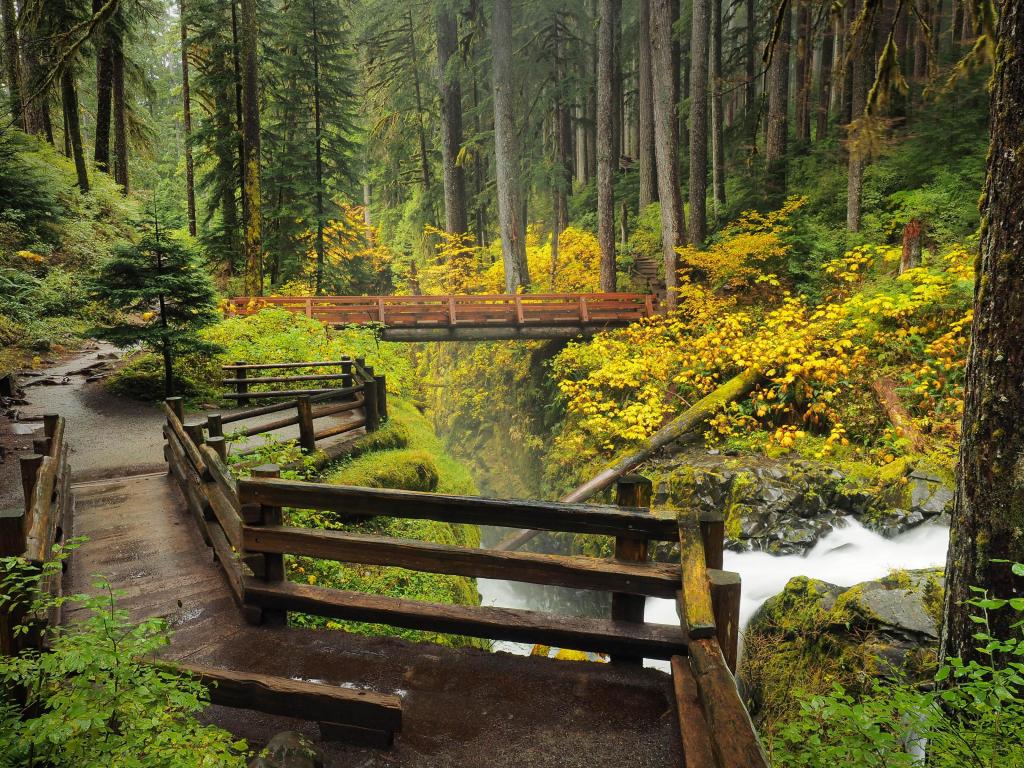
778 113
506 151
119 112
645 108
606 141
186 108
73 127
666 141
824 99
699 122
717 116
453 178
988 513
253 238
804 46
860 64
12 62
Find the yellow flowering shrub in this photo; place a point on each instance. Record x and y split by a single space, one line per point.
818 361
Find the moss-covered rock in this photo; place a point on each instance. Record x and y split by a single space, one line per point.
408 469
785 507
814 634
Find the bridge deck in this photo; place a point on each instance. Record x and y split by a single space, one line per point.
477 317
460 707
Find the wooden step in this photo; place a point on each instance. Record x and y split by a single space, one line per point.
655 641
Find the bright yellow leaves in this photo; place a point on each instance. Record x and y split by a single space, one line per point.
819 361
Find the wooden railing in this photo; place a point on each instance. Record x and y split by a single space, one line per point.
529 309
32 530
242 520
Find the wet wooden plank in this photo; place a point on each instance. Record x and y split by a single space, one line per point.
539 515
654 579
655 641
693 728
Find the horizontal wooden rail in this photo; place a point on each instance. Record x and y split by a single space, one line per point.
656 641
654 579
550 516
468 311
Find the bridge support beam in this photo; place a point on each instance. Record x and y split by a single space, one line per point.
469 333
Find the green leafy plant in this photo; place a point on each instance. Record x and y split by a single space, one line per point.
91 698
974 716
160 297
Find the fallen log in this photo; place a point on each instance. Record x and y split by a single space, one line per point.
885 391
690 420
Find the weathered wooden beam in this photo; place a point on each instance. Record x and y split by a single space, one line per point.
307 436
273 562
29 464
632 578
698 616
275 366
546 515
655 641
726 589
286 379
733 737
187 444
693 728
40 516
632 491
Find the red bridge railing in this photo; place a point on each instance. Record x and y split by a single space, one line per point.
501 310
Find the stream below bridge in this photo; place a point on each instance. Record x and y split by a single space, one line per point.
110 436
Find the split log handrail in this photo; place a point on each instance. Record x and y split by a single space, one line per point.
32 531
242 521
449 311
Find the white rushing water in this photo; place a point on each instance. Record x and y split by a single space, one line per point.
845 557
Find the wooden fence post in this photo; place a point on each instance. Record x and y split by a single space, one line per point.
30 463
307 438
215 425
370 406
712 533
50 424
194 430
630 491
725 603
346 371
177 405
273 564
241 387
220 445
382 396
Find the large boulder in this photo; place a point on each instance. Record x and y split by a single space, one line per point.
814 634
785 507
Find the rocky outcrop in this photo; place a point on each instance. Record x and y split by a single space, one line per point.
785 507
814 634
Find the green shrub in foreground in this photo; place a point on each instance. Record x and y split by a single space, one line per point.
974 717
91 700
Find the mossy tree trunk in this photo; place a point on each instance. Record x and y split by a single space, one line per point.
606 148
253 239
988 514
73 127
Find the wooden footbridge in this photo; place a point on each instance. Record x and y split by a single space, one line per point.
466 318
207 551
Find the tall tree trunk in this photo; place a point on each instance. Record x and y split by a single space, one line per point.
645 108
72 126
778 113
12 63
253 240
606 150
421 128
562 181
318 126
616 61
666 141
451 124
119 112
506 151
239 119
804 46
921 47
717 117
104 93
750 66
824 99
186 107
860 63
988 512
699 122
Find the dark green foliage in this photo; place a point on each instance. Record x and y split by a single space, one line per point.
92 698
161 299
